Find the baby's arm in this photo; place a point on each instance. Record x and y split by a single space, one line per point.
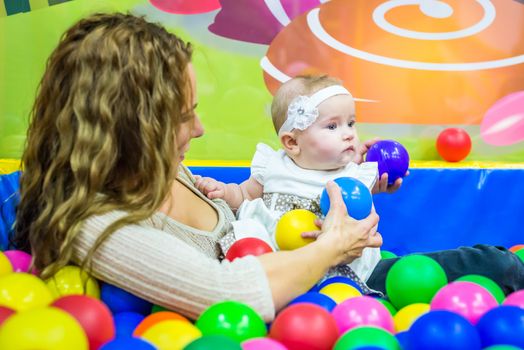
232 193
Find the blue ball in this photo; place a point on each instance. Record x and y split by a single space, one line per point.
119 300
402 338
442 329
315 298
392 158
340 279
128 343
356 196
126 322
502 325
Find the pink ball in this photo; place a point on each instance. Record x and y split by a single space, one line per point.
362 311
20 260
503 123
515 299
464 298
262 344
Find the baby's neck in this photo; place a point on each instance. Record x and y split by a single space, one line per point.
308 167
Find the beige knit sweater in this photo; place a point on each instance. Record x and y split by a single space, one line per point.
174 265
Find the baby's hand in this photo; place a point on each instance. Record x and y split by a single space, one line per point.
210 187
382 184
362 149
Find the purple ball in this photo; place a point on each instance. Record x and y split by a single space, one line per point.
392 158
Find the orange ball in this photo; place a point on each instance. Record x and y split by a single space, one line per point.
153 319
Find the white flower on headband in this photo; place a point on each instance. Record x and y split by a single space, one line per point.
301 113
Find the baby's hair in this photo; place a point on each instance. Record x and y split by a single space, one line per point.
305 85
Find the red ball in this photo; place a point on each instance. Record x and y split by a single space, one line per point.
453 144
248 246
5 313
305 326
93 315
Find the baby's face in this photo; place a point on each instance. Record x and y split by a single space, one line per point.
331 141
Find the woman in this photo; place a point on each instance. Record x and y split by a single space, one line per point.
104 187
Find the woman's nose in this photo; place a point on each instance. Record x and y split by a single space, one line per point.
198 128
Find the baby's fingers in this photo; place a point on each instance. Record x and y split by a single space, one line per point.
311 234
215 193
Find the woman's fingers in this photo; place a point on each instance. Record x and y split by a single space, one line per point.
375 240
335 197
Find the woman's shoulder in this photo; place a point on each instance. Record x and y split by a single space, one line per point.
185 174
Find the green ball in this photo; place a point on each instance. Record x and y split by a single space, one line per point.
388 306
212 342
487 283
367 336
386 254
502 347
158 308
520 254
414 279
233 319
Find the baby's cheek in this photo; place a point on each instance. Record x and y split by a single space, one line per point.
325 148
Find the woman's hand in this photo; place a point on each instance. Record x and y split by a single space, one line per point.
343 235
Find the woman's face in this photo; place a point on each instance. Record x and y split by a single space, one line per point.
193 127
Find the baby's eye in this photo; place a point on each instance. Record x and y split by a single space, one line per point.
332 126
351 123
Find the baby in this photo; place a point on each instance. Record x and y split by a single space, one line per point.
315 121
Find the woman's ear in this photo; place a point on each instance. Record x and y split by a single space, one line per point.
289 143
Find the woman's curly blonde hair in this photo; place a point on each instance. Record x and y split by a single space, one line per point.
102 134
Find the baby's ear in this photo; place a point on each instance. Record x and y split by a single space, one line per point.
289 143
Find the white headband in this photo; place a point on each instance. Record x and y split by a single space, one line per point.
303 111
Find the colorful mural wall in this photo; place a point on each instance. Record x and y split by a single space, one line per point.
415 67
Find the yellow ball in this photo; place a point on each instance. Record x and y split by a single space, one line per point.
71 280
46 328
290 227
405 317
340 292
171 334
5 265
22 291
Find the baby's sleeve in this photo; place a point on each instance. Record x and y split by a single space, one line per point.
368 174
259 164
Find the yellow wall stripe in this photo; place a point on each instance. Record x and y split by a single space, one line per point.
413 164
10 165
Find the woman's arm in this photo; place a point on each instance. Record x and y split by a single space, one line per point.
161 268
